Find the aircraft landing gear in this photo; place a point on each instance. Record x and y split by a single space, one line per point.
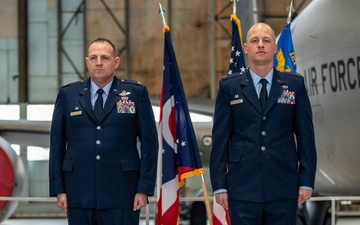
314 213
198 213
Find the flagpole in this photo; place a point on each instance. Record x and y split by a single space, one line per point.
234 6
290 12
206 200
160 155
161 11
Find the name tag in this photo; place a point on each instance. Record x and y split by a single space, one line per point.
76 113
238 101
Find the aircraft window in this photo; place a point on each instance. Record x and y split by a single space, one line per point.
44 113
35 153
195 117
40 112
9 112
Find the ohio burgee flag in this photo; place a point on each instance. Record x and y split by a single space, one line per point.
178 154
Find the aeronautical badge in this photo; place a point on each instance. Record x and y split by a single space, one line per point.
124 93
124 105
287 97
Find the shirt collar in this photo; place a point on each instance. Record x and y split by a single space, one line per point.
94 88
256 78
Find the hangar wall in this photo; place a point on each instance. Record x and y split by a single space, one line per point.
140 44
8 51
58 33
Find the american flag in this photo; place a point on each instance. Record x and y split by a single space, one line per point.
178 154
237 62
221 216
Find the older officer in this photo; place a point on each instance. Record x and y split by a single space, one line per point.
96 171
263 157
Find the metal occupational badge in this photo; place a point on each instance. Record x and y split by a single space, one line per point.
124 105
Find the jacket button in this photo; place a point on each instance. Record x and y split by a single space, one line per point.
98 142
98 128
264 118
98 157
263 133
263 148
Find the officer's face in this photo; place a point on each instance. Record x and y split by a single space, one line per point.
260 45
101 63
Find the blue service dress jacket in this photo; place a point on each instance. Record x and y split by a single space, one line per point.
262 155
97 163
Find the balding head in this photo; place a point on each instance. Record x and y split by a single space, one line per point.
260 47
260 26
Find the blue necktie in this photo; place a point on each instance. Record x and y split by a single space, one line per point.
98 107
263 93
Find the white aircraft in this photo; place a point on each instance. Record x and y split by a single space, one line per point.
12 178
12 170
37 133
327 42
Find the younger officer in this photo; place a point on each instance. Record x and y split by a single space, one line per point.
263 157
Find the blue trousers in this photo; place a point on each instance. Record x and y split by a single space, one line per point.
112 216
268 213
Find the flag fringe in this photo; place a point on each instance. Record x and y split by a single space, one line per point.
233 17
195 172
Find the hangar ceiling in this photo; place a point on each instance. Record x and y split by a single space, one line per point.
275 12
272 12
202 26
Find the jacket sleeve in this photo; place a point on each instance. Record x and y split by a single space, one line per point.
305 138
57 147
149 145
221 136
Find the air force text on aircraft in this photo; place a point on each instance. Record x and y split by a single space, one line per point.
335 76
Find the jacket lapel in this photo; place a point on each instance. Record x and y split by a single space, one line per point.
85 99
111 99
275 91
249 91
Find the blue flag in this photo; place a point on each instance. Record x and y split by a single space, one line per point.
284 59
237 62
178 151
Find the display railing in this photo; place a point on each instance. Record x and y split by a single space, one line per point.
152 201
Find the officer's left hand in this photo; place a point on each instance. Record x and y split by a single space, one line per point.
304 195
140 201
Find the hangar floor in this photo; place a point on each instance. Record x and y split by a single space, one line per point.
47 222
341 221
